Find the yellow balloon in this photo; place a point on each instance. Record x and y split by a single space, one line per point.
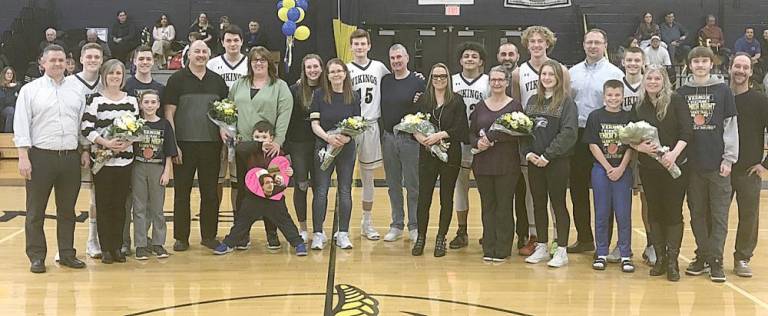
301 16
302 33
289 4
283 14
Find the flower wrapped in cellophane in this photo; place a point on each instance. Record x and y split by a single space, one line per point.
514 124
419 123
126 127
351 127
223 113
636 133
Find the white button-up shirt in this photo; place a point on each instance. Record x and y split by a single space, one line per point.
587 85
48 114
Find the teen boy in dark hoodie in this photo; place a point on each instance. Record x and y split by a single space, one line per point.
714 149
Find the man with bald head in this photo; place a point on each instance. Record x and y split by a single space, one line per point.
51 38
92 37
186 99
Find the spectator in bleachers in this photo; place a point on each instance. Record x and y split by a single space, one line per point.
35 70
51 37
645 30
163 33
206 32
674 35
92 37
70 66
749 44
9 91
192 37
711 36
124 37
255 37
655 54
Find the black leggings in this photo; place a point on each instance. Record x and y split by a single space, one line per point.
302 160
429 169
664 195
111 188
550 182
497 216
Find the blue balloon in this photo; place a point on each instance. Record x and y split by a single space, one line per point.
279 4
288 28
294 14
304 4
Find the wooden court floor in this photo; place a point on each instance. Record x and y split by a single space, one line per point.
378 275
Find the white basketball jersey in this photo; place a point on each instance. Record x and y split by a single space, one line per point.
366 80
230 73
473 91
87 88
529 82
631 95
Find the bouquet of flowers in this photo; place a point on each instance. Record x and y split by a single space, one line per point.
636 133
223 113
514 124
126 128
351 126
419 123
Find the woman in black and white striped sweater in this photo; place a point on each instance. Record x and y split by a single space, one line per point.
112 181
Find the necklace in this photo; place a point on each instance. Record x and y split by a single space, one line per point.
438 116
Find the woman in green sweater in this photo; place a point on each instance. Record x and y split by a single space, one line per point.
262 96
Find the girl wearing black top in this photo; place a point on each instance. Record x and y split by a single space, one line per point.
448 112
206 31
300 142
9 91
496 167
555 123
668 111
124 37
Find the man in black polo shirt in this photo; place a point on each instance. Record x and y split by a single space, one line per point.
401 151
186 98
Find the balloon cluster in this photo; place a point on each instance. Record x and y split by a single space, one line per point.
291 12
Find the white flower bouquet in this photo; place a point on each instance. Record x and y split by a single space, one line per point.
126 128
351 126
419 123
636 133
223 113
514 124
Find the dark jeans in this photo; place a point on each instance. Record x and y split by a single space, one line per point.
496 204
709 198
747 191
6 118
429 169
612 198
255 208
203 158
581 166
111 187
302 161
58 171
550 182
344 163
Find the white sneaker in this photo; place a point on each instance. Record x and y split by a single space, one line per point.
413 234
540 254
393 234
93 249
304 236
342 240
366 227
559 259
649 255
614 256
318 241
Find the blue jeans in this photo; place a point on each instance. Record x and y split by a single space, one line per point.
344 163
612 197
401 167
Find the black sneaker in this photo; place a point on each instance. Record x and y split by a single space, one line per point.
697 267
273 242
209 243
160 252
580 247
460 241
180 245
716 273
142 253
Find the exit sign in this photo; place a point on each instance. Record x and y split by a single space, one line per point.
452 10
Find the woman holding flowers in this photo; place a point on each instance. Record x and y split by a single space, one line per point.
667 111
261 96
555 124
496 167
112 109
448 113
335 103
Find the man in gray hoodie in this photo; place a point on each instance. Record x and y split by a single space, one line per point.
714 149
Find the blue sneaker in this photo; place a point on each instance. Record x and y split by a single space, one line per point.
301 250
222 249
